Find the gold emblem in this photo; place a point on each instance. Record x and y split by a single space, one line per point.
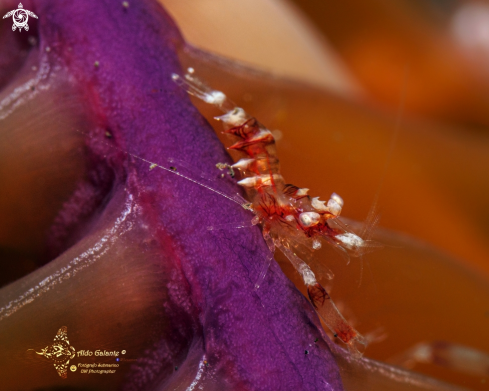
61 352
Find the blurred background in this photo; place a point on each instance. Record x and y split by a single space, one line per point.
420 64
383 100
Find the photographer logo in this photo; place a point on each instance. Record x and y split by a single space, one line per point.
20 16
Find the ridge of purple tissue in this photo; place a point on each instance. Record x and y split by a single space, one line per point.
122 59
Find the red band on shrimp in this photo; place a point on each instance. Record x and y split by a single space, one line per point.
317 295
289 217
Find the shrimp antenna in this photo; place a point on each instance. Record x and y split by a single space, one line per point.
234 198
193 86
393 143
373 216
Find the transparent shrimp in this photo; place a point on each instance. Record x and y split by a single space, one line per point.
289 217
445 354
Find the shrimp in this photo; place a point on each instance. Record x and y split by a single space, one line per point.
446 354
288 216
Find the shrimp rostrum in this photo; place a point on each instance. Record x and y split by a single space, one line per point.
289 217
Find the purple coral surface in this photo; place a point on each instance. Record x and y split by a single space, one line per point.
121 59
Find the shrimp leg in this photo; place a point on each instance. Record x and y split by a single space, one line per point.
446 354
268 261
325 306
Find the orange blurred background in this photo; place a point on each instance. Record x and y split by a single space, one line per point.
379 98
392 70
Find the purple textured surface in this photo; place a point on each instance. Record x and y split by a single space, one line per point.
122 60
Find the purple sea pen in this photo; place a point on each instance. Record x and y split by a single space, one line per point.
122 214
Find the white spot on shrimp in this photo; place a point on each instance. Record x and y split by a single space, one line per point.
302 192
316 244
334 207
317 204
308 275
248 182
262 134
351 241
338 199
308 219
243 164
235 117
215 98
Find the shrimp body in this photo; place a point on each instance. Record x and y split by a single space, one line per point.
289 217
280 207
